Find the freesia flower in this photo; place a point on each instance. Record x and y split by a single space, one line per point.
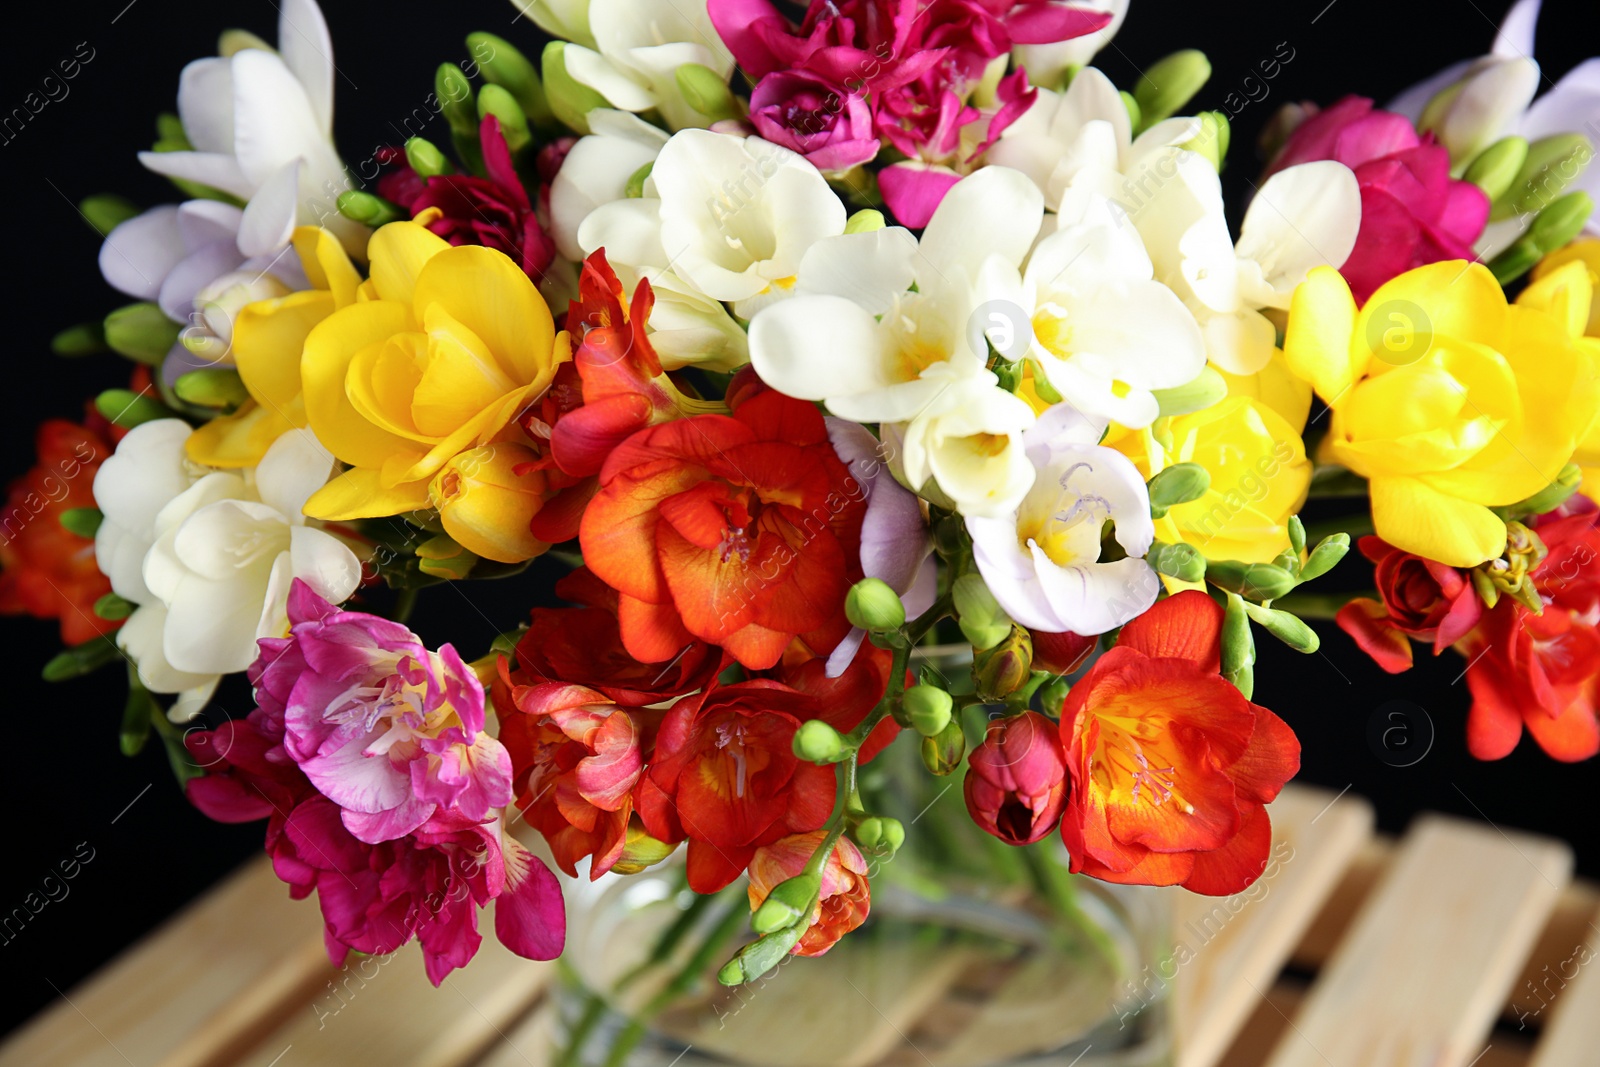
1171 768
209 556
261 127
450 346
567 19
916 360
1420 598
597 170
375 898
1560 287
46 570
391 732
724 776
1042 562
829 125
1449 401
1048 64
847 695
843 901
1016 784
742 531
1412 212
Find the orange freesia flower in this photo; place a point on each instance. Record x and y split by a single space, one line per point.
48 571
1171 766
846 896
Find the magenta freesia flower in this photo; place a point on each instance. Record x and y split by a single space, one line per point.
1412 212
384 728
828 124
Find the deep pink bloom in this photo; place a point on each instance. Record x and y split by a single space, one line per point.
1412 212
1016 785
828 124
390 732
494 211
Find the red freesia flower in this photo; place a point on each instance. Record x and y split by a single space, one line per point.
1171 768
1543 671
1421 598
1412 212
846 896
724 776
1061 653
46 570
494 211
742 531
1016 785
846 700
575 758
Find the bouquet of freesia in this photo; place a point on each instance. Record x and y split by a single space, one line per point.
804 346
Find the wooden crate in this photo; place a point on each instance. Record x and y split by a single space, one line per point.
1459 945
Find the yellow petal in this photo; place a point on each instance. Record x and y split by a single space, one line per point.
1449 299
268 338
1319 345
326 264
358 494
460 379
1567 292
399 251
382 380
480 430
237 440
490 295
1416 518
1276 386
324 366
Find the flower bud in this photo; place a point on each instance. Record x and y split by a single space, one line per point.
1016 784
865 221
1496 168
486 498
1060 653
634 190
127 409
820 908
454 94
1054 695
1238 646
514 72
1212 140
1464 116
497 101
706 92
880 835
1562 221
85 522
219 388
1170 84
1551 166
142 332
873 606
1297 535
1258 581
113 607
210 335
425 158
786 904
1002 670
928 708
640 850
106 212
1178 484
570 100
443 557
367 209
817 742
1329 551
1129 101
942 754
1181 561
86 339
983 621
1517 259
1206 389
759 957
1285 627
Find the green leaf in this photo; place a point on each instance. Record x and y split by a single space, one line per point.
82 659
85 522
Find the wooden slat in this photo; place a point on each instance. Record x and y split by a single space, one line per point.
383 1010
1231 950
1421 976
195 991
1572 1026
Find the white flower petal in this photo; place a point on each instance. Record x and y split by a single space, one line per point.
995 212
269 218
588 67
205 95
1096 597
307 50
296 466
628 230
197 270
273 121
595 172
1573 106
1414 100
870 268
1515 38
146 473
138 253
214 169
325 563
204 222
818 347
1302 217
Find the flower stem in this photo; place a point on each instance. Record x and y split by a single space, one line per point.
1318 605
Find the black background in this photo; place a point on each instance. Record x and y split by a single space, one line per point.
63 779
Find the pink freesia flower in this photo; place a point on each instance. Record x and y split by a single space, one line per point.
828 124
1412 212
1016 785
389 731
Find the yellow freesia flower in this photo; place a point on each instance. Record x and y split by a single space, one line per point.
1447 399
268 337
442 349
1276 386
1554 280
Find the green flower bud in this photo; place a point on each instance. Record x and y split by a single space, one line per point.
369 210
929 709
1135 115
142 332
497 101
759 957
1212 140
867 220
634 190
1487 592
983 621
426 159
640 850
1052 696
454 92
817 742
1170 84
85 522
873 606
1258 581
1041 384
1496 168
707 92
112 607
1206 389
1002 670
942 754
788 903
125 408
1329 551
1181 561
1516 260
1562 221
215 387
443 557
869 833
106 212
880 835
1238 646
1178 484
79 660
1549 498
1297 535
570 100
1285 627
85 339
514 72
1552 165
894 835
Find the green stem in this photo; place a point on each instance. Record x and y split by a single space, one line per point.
405 602
1318 605
1060 888
919 627
594 1008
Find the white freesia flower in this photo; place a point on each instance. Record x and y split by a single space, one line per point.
567 19
261 124
915 361
597 171
734 217
1042 560
1047 63
209 556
